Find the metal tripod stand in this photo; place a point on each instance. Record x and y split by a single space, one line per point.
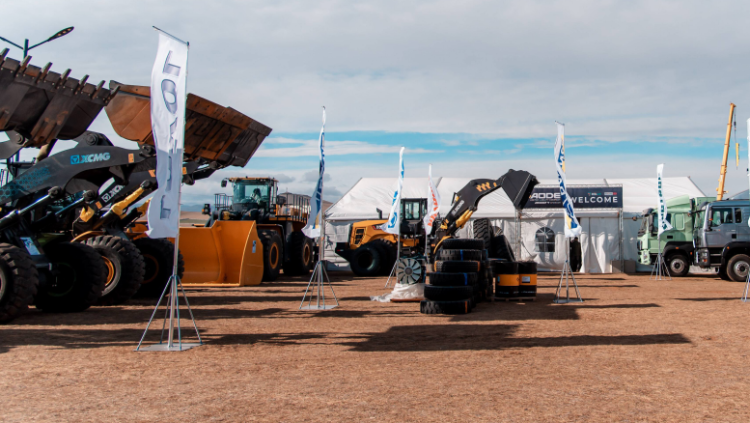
566 274
660 271
172 313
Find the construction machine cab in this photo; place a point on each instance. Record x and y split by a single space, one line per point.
252 199
413 211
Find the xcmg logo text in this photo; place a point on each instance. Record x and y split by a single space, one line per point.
88 158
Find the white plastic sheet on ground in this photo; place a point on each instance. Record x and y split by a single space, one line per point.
402 292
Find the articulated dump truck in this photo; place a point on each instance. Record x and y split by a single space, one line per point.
69 231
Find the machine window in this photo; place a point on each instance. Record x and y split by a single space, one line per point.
545 240
679 221
720 216
738 215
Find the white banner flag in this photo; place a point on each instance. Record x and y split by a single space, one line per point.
312 229
433 203
663 222
168 98
393 225
572 228
748 156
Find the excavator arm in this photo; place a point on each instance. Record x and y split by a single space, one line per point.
518 184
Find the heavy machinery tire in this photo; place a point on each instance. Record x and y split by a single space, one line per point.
125 268
453 279
678 265
445 307
738 267
388 254
300 255
367 260
76 281
273 253
19 282
448 293
473 255
158 257
501 249
463 244
723 275
483 230
454 266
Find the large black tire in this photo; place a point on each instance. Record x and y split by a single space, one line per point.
463 244
483 230
453 279
448 293
472 255
723 274
501 249
300 255
445 307
19 282
738 267
388 254
158 257
125 268
678 265
367 260
273 253
76 281
454 266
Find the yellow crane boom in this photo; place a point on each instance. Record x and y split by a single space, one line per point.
723 175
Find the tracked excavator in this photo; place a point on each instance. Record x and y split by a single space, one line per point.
370 251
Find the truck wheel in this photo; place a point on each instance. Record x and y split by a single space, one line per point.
300 255
483 230
388 253
678 265
737 268
158 257
367 261
272 254
76 281
19 282
723 274
125 268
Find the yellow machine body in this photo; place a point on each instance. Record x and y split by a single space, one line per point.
227 253
368 230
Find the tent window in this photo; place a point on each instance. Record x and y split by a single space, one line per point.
545 240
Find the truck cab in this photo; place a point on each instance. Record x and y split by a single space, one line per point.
721 233
677 243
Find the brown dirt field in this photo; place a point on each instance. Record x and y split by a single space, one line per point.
636 350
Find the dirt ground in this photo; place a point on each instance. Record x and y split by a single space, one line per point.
635 350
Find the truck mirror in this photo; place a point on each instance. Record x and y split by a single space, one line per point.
223 183
380 214
206 209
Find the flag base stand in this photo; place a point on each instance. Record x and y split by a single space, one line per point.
172 314
660 271
319 278
747 287
567 273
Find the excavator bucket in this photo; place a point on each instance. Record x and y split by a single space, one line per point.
41 106
212 132
229 253
518 185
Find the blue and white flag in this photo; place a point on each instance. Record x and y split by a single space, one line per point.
312 229
168 105
393 225
662 210
572 228
433 203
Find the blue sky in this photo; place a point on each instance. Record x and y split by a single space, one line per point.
473 87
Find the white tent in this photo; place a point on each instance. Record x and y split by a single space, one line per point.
607 236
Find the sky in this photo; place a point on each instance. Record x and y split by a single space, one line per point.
471 87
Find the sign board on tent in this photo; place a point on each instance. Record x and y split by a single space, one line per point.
589 197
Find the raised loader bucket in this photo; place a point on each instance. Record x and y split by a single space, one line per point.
212 132
518 185
42 106
227 253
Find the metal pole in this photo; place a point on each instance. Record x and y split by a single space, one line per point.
723 173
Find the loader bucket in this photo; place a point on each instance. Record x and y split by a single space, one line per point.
518 185
42 106
212 132
227 253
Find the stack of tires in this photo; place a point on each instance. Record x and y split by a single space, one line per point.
460 278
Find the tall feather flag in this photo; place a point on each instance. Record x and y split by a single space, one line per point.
393 225
663 222
312 229
433 203
572 228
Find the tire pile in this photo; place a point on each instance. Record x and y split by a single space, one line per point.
461 278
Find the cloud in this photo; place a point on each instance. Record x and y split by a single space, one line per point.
332 148
459 143
312 176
